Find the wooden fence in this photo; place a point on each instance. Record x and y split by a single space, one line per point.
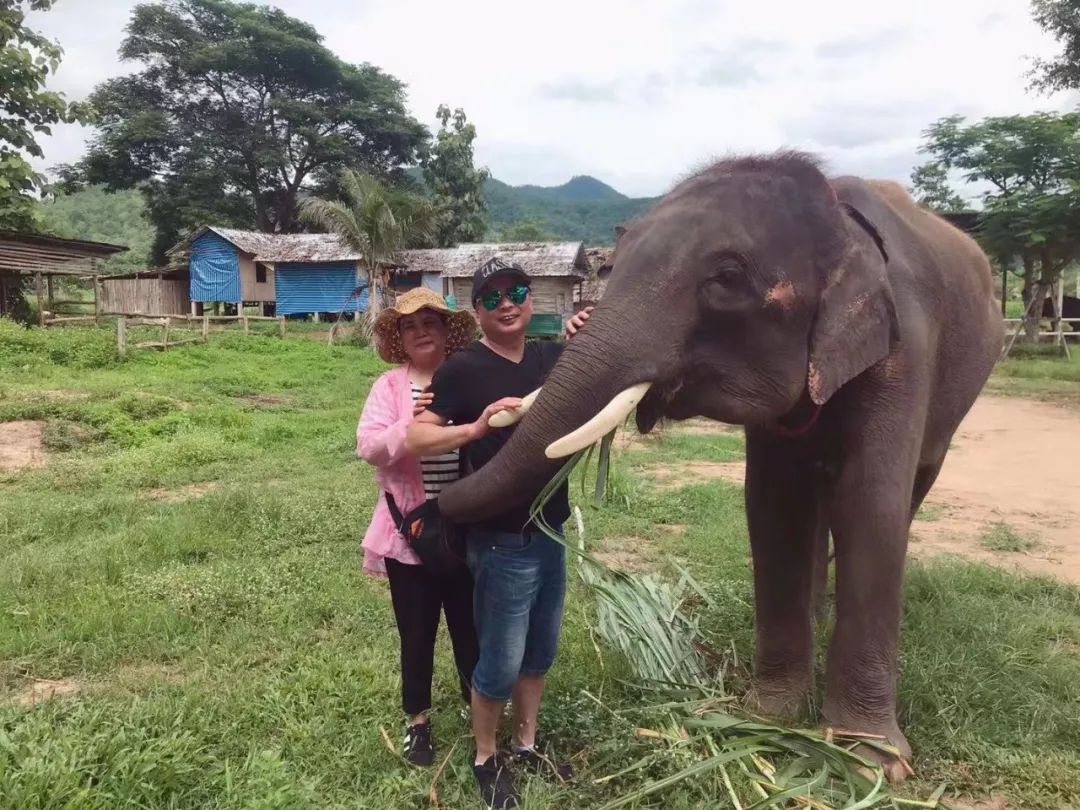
164 343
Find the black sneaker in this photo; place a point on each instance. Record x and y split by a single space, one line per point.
533 760
496 783
418 748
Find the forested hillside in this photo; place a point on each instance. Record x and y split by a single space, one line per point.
583 208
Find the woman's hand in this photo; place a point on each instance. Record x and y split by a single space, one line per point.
422 402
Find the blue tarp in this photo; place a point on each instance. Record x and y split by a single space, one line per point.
215 269
312 287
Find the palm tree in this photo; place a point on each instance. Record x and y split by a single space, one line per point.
377 221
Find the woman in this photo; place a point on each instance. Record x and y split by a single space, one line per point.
416 335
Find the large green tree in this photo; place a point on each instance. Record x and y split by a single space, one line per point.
27 109
457 187
237 113
1029 170
930 185
1061 19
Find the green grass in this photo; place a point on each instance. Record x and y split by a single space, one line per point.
930 512
230 654
1002 537
1041 377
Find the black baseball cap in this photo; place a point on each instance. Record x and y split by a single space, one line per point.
493 268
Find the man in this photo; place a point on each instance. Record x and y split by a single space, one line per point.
519 571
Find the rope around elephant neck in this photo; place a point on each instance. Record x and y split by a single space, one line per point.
802 430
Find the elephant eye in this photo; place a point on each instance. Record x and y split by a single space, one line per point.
728 273
727 276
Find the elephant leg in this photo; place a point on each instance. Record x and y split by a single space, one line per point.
869 508
820 586
925 477
783 513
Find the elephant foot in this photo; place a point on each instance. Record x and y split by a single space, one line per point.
782 700
897 766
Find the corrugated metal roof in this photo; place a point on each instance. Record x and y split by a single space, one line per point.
280 247
536 258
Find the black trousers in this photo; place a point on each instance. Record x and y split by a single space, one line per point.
418 599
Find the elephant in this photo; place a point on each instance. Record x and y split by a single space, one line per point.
848 330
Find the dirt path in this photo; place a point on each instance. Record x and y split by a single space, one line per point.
21 445
1013 473
1013 461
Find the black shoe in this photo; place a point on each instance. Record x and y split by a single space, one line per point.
533 760
496 783
418 748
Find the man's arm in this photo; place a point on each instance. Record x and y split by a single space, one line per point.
574 324
429 435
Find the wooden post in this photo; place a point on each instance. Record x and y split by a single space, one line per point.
1004 286
121 336
1059 304
165 325
316 314
3 295
49 293
99 290
206 327
40 298
193 312
244 321
281 325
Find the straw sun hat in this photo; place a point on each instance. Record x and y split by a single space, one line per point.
460 325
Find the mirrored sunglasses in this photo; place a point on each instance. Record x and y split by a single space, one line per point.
517 295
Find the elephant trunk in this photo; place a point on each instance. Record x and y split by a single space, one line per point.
603 359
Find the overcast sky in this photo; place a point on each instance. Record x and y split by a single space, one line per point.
638 92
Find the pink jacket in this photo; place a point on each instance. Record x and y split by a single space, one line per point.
380 441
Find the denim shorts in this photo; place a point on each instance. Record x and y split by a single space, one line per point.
520 584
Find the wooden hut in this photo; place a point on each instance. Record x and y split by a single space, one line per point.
149 292
556 268
289 274
43 258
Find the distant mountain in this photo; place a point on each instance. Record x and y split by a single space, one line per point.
583 208
581 188
117 218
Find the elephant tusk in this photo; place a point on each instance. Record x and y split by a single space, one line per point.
600 425
506 418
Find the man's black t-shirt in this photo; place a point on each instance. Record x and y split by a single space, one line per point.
470 380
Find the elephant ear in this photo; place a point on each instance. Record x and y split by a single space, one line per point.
856 322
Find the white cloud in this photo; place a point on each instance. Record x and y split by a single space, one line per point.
637 92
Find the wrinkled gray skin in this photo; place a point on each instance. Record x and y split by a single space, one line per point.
751 293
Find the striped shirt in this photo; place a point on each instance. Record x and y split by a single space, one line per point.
437 471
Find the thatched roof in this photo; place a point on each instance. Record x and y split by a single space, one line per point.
536 258
280 247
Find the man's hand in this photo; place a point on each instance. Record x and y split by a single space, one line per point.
480 427
422 402
577 321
